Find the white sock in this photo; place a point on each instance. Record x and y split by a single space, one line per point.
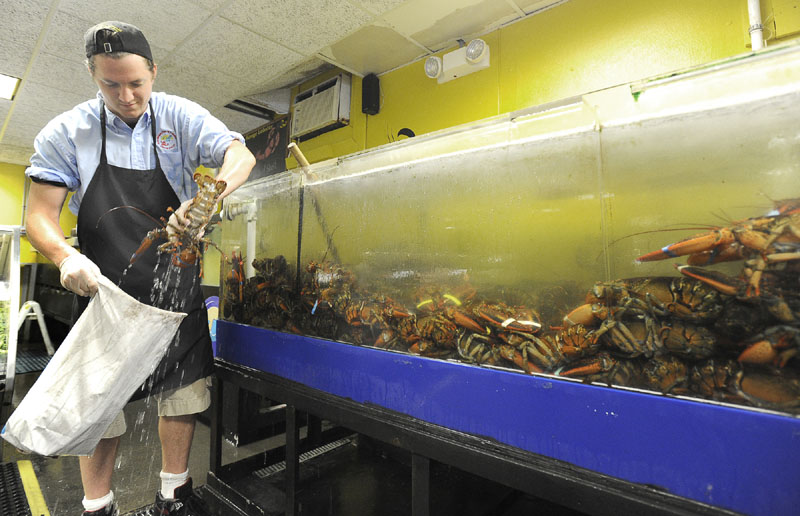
98 503
169 481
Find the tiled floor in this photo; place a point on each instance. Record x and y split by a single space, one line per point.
138 461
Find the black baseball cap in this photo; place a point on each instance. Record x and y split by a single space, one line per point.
114 36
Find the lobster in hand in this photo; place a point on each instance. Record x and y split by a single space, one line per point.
183 242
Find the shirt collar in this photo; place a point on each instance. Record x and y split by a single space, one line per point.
116 121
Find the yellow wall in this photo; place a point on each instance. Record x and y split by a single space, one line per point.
12 197
574 48
12 177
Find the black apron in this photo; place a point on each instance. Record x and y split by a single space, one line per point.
109 239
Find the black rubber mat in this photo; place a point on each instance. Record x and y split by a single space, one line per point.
13 501
31 361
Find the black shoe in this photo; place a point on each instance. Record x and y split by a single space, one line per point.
178 506
109 510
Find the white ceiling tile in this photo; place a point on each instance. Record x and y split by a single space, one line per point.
63 75
45 99
64 36
15 155
194 81
5 105
304 70
164 24
22 22
302 25
21 137
211 5
14 57
236 121
373 49
25 123
379 7
438 24
234 50
530 6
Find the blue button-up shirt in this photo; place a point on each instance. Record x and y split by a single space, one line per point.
187 136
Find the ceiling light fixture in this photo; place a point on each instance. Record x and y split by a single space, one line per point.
463 61
8 86
433 67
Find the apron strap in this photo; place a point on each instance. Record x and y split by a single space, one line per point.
153 132
103 160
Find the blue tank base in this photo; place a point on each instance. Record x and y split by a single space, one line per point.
716 458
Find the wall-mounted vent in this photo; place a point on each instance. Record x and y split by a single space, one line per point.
322 108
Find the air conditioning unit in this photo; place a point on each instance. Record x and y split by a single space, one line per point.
322 108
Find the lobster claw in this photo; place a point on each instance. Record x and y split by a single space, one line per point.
600 363
777 346
587 314
184 258
716 280
148 240
465 321
512 355
716 239
728 253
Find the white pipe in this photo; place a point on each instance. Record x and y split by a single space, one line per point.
232 210
756 28
250 253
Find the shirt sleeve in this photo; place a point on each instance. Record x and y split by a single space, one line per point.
53 161
206 136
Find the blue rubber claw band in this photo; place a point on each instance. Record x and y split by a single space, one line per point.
669 253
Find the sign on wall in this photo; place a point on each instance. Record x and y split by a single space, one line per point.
268 144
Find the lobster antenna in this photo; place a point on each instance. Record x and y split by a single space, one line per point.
128 207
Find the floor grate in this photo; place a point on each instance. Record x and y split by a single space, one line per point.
30 361
13 501
316 452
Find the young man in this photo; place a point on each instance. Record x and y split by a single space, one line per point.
131 146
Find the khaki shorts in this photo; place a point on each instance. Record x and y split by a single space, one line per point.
189 399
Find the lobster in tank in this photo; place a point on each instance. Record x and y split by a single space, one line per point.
763 243
768 283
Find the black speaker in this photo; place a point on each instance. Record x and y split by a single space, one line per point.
370 95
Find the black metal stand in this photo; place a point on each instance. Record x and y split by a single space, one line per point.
539 476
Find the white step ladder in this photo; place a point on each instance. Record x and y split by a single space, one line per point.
31 309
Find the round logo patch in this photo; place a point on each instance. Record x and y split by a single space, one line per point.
167 140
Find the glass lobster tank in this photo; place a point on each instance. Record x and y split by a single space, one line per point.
642 240
547 240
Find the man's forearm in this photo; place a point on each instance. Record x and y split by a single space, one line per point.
48 239
41 226
235 170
